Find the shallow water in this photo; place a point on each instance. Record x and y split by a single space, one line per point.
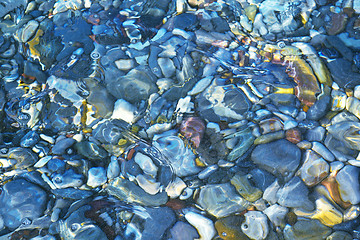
183 119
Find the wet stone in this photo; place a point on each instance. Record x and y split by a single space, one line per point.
21 200
229 228
221 200
91 150
306 229
61 146
130 192
280 158
347 178
30 139
294 194
183 231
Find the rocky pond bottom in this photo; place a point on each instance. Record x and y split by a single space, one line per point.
179 119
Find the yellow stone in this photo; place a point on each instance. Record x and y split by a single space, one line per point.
325 212
250 12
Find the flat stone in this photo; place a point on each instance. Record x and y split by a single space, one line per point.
280 158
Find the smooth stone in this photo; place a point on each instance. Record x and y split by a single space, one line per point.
280 158
270 193
24 34
351 213
290 124
357 92
101 99
276 214
96 177
326 212
255 225
340 69
60 147
180 157
338 102
67 179
339 235
148 184
56 165
353 106
175 188
30 139
200 86
167 67
203 225
157 223
146 164
109 132
346 132
125 64
113 169
137 85
221 200
314 168
128 191
319 109
71 193
294 194
306 230
183 231
91 150
80 227
348 180
261 178
21 200
323 151
315 134
336 166
245 188
269 137
229 228
124 110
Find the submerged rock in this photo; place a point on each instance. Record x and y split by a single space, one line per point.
280 158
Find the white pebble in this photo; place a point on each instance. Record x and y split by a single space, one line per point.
96 177
203 225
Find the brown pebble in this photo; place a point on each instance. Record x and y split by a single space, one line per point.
293 135
175 204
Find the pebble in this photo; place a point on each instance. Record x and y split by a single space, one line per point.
280 158
255 225
348 184
276 214
60 146
314 169
21 200
183 231
121 188
294 194
229 228
187 119
221 200
96 177
323 151
204 226
306 229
